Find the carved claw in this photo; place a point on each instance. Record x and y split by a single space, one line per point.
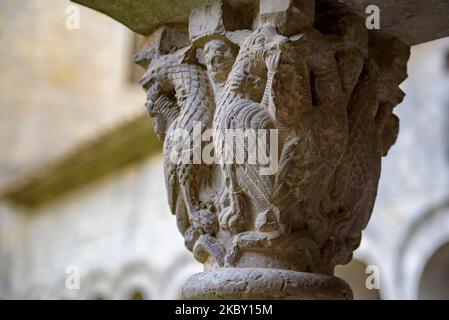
231 257
207 246
272 61
267 221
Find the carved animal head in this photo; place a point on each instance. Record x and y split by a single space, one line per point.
160 104
220 56
262 42
150 77
164 112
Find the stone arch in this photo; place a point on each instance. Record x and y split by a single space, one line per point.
434 282
135 281
423 239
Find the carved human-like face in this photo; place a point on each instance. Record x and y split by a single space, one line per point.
219 59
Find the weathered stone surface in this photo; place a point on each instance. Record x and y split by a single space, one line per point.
329 95
290 16
260 283
161 42
413 22
207 20
145 16
323 92
217 18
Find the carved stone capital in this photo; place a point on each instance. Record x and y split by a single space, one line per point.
320 89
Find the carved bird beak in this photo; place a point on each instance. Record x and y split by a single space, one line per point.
283 40
145 80
295 37
150 108
278 41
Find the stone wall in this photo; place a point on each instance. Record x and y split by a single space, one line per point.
59 87
111 229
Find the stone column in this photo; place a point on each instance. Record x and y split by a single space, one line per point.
326 88
307 85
